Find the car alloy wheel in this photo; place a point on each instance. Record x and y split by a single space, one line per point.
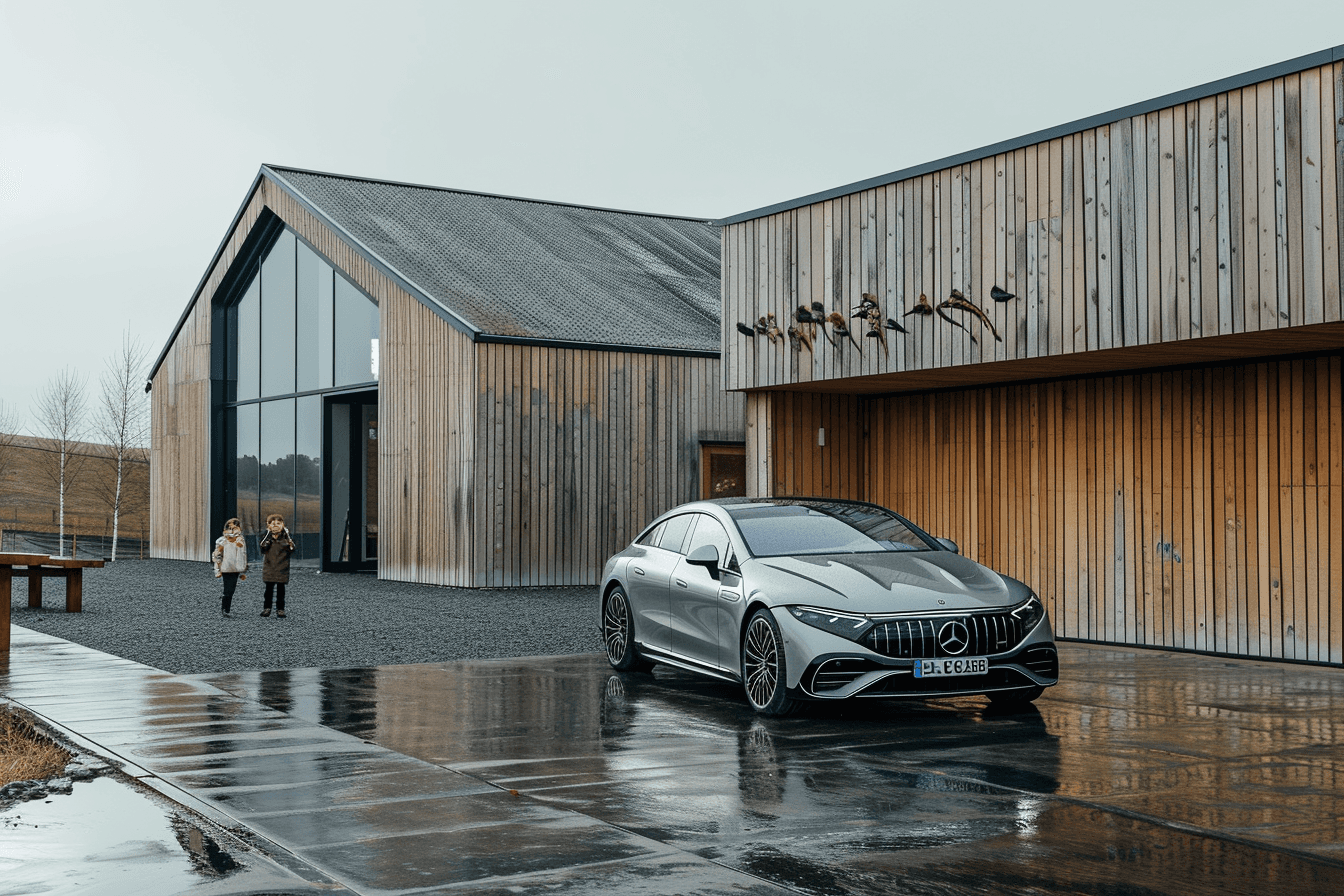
618 634
763 671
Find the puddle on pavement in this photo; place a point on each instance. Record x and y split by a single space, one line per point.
110 836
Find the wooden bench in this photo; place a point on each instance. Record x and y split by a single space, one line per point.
35 568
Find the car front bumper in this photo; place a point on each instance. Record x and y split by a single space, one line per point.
822 666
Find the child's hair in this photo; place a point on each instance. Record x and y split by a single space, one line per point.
274 516
234 521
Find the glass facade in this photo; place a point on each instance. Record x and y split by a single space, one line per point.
299 330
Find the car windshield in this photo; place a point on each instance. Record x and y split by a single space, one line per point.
777 530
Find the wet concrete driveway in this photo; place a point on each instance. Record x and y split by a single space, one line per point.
1145 772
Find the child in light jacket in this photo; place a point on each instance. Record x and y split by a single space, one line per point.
230 558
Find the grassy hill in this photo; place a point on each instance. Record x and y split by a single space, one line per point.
29 500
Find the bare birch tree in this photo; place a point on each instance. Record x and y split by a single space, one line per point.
60 413
123 425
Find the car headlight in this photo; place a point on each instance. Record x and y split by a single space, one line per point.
1029 613
845 625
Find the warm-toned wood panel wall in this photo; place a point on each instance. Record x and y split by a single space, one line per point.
799 465
1195 508
1214 217
578 449
179 458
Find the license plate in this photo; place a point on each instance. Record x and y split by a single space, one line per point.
966 665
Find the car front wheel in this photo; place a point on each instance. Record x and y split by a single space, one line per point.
618 634
763 672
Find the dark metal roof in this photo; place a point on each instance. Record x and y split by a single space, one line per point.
1235 82
522 269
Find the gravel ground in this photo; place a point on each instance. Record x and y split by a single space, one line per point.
165 613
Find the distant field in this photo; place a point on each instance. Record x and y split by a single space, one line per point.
29 499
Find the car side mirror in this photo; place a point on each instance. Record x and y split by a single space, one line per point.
950 545
707 556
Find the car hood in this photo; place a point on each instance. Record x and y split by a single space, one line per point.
887 582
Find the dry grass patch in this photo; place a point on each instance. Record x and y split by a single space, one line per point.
25 753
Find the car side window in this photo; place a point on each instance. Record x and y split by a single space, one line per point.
710 531
651 537
674 533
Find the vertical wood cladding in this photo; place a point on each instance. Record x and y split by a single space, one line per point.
426 436
1196 508
179 457
576 450
1214 217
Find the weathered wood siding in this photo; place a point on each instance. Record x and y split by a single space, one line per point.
426 438
1198 221
1196 508
576 450
179 456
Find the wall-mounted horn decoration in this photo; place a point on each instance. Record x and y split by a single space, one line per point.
922 307
772 330
745 330
956 301
871 313
837 322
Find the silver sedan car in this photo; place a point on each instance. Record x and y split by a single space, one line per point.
821 599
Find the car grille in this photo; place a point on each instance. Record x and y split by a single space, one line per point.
917 638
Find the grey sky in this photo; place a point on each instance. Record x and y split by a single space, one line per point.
130 131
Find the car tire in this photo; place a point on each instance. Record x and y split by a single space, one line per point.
763 669
1020 697
618 634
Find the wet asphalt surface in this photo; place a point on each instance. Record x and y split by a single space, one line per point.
1144 772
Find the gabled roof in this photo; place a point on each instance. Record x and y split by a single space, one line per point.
505 269
526 269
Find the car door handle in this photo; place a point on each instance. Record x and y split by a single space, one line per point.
638 571
681 583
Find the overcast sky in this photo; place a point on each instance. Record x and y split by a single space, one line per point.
130 131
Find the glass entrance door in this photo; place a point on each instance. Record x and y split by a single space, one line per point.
351 518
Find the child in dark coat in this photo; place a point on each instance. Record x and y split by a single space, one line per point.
276 546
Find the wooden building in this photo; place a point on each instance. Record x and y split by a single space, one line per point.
450 387
1149 430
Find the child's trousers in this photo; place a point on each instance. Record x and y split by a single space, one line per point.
230 583
278 589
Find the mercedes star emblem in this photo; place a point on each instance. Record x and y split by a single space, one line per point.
954 637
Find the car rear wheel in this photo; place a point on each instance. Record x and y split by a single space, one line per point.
763 671
618 634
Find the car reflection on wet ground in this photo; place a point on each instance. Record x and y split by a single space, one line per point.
1143 772
1146 772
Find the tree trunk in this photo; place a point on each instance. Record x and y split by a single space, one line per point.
116 508
60 543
